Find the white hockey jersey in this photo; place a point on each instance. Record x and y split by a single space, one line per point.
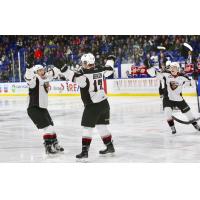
91 82
173 85
38 87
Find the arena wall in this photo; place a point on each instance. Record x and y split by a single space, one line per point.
113 87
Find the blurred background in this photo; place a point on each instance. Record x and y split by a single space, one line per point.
134 52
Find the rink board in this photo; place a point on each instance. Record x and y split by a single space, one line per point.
113 87
140 87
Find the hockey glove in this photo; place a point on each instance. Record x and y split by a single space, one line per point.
111 57
64 68
195 75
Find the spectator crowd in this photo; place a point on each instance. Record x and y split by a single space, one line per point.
59 49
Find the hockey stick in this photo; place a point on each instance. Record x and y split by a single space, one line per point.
185 122
195 69
161 48
188 46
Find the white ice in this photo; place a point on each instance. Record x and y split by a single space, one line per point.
139 130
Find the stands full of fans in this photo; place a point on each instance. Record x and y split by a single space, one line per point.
137 50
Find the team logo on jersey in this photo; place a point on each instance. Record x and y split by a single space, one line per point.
173 85
97 76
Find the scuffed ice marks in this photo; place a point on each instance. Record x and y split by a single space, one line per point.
138 125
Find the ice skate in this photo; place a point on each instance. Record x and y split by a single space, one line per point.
83 156
173 130
49 149
57 147
109 149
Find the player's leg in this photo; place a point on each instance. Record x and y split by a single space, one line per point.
185 109
170 121
167 106
49 137
161 90
106 138
45 125
161 93
102 127
88 121
55 142
86 141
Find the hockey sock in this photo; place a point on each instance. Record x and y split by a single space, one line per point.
171 125
48 138
170 122
107 139
54 138
86 143
104 133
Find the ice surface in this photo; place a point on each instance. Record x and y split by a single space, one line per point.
139 130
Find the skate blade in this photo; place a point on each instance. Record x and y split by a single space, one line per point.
82 160
53 155
174 135
60 152
107 155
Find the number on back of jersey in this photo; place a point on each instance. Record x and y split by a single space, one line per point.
98 82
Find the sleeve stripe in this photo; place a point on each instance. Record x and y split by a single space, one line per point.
27 79
73 78
53 72
108 68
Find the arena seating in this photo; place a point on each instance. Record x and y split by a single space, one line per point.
68 49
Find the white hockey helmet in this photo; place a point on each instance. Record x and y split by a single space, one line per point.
90 59
168 63
175 65
84 58
37 67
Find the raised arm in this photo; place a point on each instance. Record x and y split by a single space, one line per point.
30 77
187 80
109 66
76 77
53 73
155 72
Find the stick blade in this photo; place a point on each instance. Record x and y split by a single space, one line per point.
161 48
188 46
185 122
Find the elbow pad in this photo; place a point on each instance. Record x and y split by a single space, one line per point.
81 81
110 63
29 74
56 72
69 75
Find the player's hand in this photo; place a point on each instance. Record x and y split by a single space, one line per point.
151 71
28 66
56 72
64 68
111 57
30 61
62 77
195 75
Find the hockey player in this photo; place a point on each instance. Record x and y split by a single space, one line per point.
173 84
97 110
38 81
